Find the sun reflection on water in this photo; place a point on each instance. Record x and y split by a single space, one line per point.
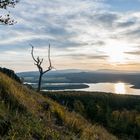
120 88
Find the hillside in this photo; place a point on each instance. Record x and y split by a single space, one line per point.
120 114
25 114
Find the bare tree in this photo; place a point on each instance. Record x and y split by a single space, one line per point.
5 19
38 63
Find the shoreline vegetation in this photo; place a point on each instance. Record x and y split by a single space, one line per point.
60 86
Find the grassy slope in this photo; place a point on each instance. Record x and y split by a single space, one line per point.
120 114
25 114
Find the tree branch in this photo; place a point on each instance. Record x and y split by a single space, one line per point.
6 20
8 3
32 53
50 63
38 63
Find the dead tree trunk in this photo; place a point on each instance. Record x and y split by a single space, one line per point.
38 63
39 82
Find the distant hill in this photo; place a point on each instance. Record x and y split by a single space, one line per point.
77 76
53 72
76 71
117 71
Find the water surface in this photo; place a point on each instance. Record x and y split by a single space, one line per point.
118 88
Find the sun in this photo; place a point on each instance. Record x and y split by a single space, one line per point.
116 52
116 55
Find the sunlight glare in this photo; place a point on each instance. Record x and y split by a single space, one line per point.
116 52
120 88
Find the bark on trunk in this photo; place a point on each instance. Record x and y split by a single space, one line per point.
39 82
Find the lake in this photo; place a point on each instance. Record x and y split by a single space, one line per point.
118 88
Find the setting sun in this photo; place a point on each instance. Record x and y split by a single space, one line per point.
116 55
116 52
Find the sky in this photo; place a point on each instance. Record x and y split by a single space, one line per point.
84 34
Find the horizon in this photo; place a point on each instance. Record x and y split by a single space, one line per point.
95 35
86 70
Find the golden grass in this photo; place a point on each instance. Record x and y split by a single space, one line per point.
78 124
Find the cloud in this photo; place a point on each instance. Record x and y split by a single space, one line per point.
107 19
133 53
126 24
135 33
85 57
98 43
78 29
